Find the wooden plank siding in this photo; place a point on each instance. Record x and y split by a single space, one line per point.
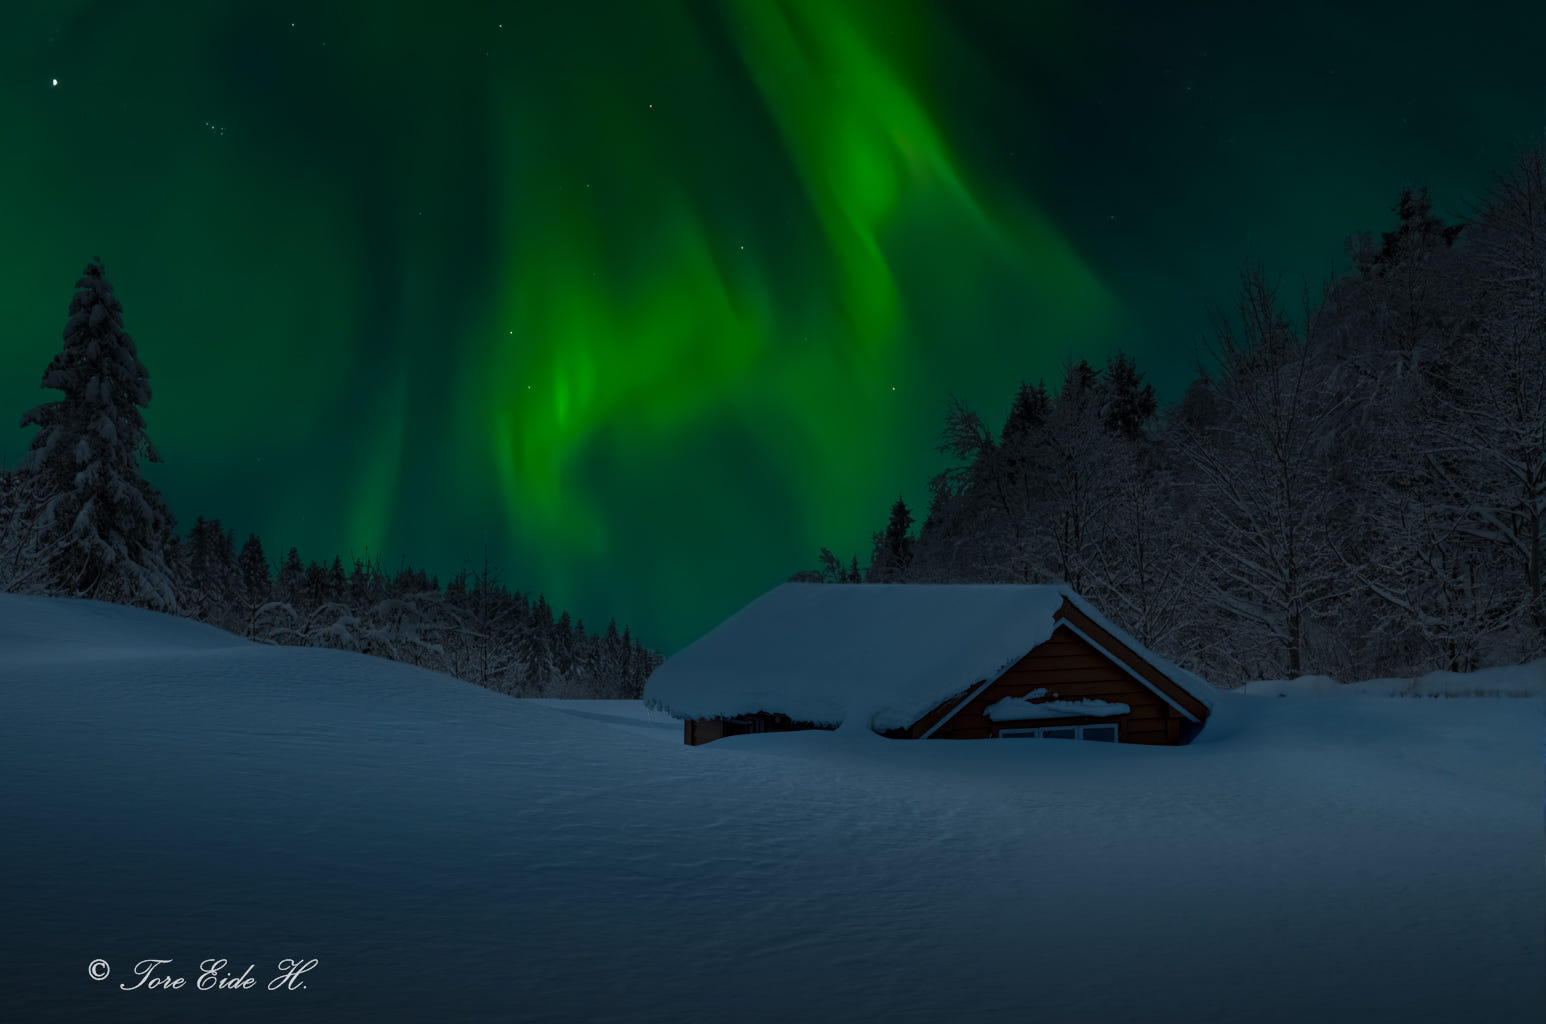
1121 651
1070 668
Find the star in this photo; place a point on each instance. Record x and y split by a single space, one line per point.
56 81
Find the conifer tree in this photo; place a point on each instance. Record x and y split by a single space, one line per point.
289 581
536 649
893 552
104 529
1419 232
314 586
212 573
1128 402
625 659
255 582
13 547
611 662
563 647
1028 412
1079 379
337 585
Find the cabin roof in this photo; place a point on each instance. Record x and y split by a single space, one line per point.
876 656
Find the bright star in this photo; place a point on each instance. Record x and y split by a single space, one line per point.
56 81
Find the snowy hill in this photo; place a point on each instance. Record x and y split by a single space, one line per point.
447 853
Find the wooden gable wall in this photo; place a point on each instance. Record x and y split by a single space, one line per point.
1070 667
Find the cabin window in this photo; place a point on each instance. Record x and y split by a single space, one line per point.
1105 733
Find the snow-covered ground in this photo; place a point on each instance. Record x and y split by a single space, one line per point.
446 853
1508 681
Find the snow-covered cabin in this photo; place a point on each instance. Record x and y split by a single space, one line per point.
957 661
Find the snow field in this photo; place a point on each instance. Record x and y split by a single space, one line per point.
447 853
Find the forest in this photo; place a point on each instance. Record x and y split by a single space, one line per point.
1353 485
78 519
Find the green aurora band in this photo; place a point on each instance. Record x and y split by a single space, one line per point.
680 324
648 301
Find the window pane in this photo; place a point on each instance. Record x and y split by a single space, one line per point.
1058 734
1104 733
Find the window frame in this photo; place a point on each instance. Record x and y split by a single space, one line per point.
1039 732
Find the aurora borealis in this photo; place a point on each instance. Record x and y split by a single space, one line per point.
649 300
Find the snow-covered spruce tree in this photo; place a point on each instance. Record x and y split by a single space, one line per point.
288 581
535 648
20 564
103 530
609 659
254 583
212 588
563 656
1127 403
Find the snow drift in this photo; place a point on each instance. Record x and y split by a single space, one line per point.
446 853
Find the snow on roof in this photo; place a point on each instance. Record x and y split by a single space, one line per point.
874 655
1018 709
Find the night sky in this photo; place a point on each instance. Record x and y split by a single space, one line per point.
649 300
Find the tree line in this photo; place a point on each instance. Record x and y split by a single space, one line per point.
77 518
1353 484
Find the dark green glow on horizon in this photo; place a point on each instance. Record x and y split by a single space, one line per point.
649 300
